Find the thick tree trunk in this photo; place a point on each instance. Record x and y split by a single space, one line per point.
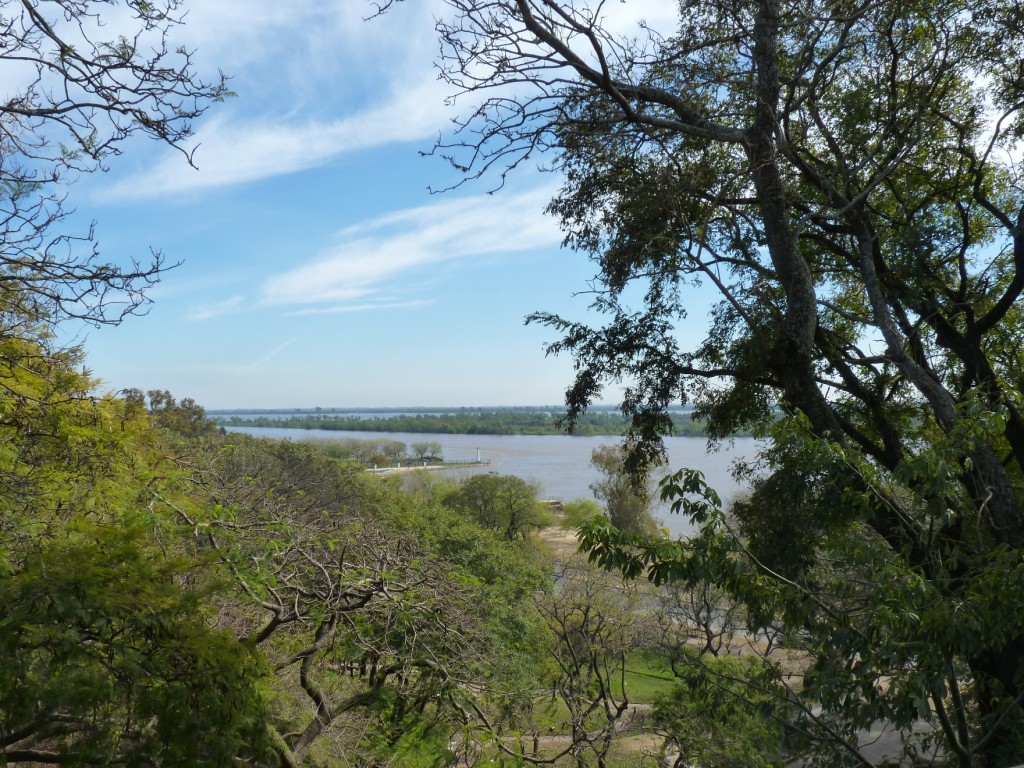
792 358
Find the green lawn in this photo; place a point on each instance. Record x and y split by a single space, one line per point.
646 678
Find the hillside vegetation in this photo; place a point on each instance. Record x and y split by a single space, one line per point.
178 596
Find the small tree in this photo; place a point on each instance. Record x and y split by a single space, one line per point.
700 615
185 417
716 716
595 621
423 449
505 503
627 497
393 449
576 513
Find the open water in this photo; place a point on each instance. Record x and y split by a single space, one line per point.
560 464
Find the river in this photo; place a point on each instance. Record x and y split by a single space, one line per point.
559 464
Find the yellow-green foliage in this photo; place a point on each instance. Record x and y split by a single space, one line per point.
108 652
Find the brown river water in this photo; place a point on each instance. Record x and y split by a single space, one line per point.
560 464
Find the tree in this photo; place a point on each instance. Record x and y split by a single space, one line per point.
74 95
595 621
504 503
109 654
839 173
384 621
575 513
425 449
626 497
700 616
711 715
109 660
186 418
393 449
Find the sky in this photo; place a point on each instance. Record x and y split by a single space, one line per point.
317 269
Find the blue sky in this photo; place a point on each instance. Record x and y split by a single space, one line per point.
317 268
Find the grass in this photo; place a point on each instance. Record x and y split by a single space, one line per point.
646 679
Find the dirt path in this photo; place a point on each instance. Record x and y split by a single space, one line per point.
563 542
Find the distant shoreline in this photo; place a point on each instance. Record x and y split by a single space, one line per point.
412 466
424 409
519 421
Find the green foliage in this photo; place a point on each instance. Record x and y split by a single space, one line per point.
108 659
626 496
186 418
109 652
721 714
837 173
504 503
882 641
373 605
456 537
576 513
413 742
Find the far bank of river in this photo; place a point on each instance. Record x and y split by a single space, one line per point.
560 464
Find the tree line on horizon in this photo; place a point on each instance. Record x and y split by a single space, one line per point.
471 423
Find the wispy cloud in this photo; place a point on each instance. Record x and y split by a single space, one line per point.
237 150
314 81
305 58
259 365
374 257
366 307
270 355
208 312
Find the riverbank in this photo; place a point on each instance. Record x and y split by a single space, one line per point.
427 467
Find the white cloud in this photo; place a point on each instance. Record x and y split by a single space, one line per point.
375 256
356 84
233 151
314 81
300 36
366 307
226 307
